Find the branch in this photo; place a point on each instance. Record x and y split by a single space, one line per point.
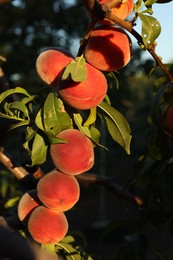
27 179
93 7
110 184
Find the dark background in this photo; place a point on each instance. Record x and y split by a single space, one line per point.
113 227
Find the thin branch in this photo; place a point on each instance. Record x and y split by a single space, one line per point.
93 7
110 184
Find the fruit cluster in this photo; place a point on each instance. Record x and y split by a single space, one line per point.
108 49
42 209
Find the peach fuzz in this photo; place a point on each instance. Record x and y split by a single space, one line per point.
58 191
27 203
122 10
108 48
47 226
76 155
51 62
85 94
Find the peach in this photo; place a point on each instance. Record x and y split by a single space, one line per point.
108 48
47 226
85 94
122 10
76 155
58 191
51 62
27 203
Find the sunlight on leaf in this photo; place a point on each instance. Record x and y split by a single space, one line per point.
76 70
150 29
92 117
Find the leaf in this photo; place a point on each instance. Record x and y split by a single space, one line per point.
78 121
86 130
150 2
8 92
70 252
54 117
76 70
150 29
49 250
39 150
11 202
19 106
92 117
117 125
138 5
22 123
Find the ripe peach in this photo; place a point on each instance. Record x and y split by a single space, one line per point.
85 94
108 48
76 155
58 191
51 62
122 10
47 226
26 204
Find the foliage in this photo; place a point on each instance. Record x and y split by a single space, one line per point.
41 114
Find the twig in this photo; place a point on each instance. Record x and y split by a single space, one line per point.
93 7
112 186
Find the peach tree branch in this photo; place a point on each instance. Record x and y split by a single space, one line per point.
94 7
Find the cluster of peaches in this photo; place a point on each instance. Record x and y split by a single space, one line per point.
42 209
108 49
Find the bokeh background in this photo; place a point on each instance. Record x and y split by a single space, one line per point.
113 228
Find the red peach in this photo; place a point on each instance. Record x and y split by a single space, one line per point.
108 48
58 191
122 10
76 155
51 62
27 203
47 226
85 94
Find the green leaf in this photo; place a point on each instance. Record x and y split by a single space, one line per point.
16 90
92 117
49 250
150 2
39 150
117 125
150 29
11 202
137 6
76 70
86 130
79 121
23 123
70 252
18 106
53 118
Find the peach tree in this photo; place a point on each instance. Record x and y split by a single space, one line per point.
64 121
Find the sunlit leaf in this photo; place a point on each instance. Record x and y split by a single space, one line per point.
150 2
150 29
49 250
11 202
76 70
86 130
117 125
55 118
17 90
92 117
39 150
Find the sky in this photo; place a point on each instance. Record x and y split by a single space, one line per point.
164 14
